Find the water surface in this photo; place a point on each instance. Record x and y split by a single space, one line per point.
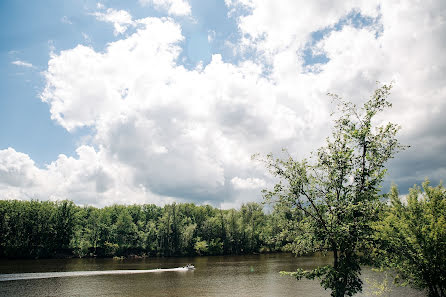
253 275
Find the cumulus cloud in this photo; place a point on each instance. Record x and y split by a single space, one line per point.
163 132
82 75
402 42
263 31
91 178
120 19
23 64
16 169
173 7
184 133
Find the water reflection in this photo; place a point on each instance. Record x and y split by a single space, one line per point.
254 275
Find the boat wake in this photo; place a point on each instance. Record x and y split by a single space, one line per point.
40 275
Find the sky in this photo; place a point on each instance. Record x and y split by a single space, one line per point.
155 101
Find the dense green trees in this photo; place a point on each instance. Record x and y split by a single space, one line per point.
335 196
35 228
412 234
48 229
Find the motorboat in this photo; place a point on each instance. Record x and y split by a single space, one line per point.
189 267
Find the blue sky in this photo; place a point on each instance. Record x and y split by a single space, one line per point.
166 100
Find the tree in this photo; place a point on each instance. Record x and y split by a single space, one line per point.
233 232
282 228
252 222
126 231
337 191
64 223
413 238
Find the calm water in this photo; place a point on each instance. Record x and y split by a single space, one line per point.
255 275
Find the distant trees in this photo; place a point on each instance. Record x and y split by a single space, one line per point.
412 234
36 229
334 196
64 223
48 229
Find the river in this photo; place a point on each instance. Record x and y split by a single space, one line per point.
252 275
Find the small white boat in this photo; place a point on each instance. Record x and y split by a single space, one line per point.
189 267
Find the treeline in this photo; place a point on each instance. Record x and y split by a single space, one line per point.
59 229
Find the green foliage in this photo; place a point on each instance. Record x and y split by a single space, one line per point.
110 248
64 223
81 248
62 229
35 229
126 231
413 238
201 247
333 197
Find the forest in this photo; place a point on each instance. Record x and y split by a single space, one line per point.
59 229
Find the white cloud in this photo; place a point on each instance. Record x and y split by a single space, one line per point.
272 26
173 7
184 133
88 179
16 169
165 132
22 63
120 19
100 78
248 183
405 44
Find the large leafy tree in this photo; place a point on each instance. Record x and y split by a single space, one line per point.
337 191
413 237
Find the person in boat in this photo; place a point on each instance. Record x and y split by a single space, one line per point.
190 266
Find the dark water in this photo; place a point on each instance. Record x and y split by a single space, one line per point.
255 275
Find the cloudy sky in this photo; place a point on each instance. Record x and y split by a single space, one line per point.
153 101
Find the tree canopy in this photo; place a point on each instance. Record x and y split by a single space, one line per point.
412 234
59 229
335 194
